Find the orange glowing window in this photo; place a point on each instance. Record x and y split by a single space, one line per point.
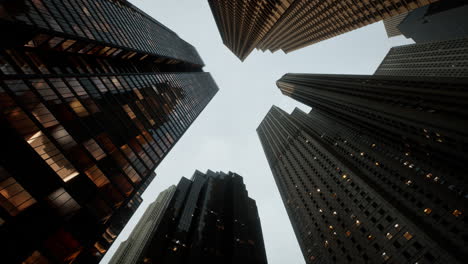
408 235
457 212
13 197
36 258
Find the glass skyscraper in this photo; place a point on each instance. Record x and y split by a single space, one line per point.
374 172
93 95
208 219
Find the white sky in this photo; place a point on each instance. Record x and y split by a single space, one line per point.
224 138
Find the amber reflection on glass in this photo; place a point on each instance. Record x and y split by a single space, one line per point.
13 197
36 258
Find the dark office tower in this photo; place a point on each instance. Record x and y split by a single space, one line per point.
293 24
208 219
443 20
391 25
93 95
436 59
357 193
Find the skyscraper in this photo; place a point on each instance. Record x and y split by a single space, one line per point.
446 58
93 95
293 24
208 219
443 20
353 197
132 249
376 170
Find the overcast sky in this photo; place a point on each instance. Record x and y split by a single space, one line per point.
224 138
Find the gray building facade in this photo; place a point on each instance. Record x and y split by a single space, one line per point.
442 20
447 58
374 173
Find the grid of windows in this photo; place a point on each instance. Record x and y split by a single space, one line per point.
293 24
117 28
93 94
434 59
341 209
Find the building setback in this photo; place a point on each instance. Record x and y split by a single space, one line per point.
376 170
354 196
443 20
289 25
208 219
448 58
391 25
93 95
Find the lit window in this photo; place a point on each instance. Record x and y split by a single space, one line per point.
373 145
345 176
13 197
331 227
318 190
396 225
408 182
358 222
408 235
335 213
377 164
348 233
389 236
428 211
362 153
326 243
320 210
385 256
429 175
370 237
36 257
457 212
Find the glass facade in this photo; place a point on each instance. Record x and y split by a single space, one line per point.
208 219
93 95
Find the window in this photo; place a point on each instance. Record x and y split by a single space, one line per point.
62 202
13 197
457 212
36 258
408 235
94 149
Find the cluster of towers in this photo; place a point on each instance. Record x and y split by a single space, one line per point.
95 93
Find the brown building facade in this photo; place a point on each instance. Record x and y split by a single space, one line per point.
289 25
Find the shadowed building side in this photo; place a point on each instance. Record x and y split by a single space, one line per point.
439 21
208 219
359 194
